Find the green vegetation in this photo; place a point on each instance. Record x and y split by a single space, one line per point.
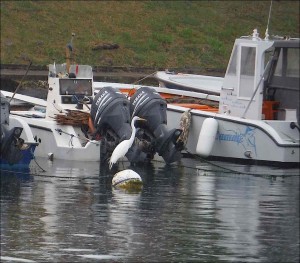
158 34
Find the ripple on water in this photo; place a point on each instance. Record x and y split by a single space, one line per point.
16 259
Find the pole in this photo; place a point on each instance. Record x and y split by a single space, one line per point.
21 81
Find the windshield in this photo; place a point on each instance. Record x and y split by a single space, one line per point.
288 63
75 87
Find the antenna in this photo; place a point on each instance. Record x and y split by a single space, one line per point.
69 50
267 30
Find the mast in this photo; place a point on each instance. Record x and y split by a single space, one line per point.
69 50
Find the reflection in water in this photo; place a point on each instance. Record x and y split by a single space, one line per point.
186 211
237 205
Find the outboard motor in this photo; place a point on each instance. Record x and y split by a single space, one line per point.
11 142
111 118
148 104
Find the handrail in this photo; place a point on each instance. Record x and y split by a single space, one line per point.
256 89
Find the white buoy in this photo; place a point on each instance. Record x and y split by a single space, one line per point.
127 179
207 137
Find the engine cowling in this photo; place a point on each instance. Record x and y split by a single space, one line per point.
148 104
111 118
110 110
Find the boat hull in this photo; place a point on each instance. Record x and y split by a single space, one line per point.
240 139
26 149
69 144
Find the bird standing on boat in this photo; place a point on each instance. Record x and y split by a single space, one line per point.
123 147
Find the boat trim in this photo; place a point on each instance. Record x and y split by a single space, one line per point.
40 127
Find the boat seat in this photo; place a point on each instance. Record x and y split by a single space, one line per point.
287 114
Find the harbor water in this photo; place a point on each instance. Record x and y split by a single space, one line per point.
191 211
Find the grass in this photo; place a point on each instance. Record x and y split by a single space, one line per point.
158 34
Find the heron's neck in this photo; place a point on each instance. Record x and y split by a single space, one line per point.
133 132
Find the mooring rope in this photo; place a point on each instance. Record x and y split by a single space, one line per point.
139 80
73 136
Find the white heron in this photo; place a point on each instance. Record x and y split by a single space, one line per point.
123 147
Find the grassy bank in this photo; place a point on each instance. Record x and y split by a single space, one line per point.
158 34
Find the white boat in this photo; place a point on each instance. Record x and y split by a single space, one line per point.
258 115
190 82
259 99
17 142
70 89
62 136
74 125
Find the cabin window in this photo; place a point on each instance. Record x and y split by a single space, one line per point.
292 69
248 55
293 63
288 63
279 65
75 87
233 61
248 61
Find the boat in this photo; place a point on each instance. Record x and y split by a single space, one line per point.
190 82
75 124
78 124
257 120
17 142
60 123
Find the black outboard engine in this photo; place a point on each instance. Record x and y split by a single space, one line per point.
148 104
11 144
111 118
10 141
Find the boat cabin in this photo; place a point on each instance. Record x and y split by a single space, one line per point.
69 90
262 79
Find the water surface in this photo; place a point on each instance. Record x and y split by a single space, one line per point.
189 211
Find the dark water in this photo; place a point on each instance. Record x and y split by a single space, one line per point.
194 211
